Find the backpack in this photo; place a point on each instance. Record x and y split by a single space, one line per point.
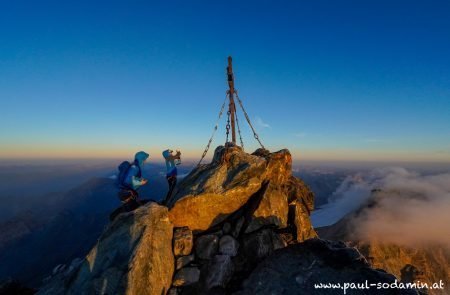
124 167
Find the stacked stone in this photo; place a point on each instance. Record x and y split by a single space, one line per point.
211 261
206 263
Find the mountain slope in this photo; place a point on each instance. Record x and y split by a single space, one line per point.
427 262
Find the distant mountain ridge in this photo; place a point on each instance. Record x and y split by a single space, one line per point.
65 233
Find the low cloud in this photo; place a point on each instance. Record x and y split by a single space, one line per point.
260 123
410 209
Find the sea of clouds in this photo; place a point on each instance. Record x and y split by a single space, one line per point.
413 208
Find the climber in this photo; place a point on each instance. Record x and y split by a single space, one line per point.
129 180
171 164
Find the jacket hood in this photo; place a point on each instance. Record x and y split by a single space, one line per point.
166 153
140 157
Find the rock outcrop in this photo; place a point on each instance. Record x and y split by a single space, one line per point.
241 208
297 268
239 213
133 256
262 181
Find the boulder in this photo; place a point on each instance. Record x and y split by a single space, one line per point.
133 256
210 193
206 246
238 227
219 272
228 246
298 190
182 241
283 189
304 228
296 268
226 229
272 210
182 261
258 245
186 276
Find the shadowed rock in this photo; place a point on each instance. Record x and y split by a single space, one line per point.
206 246
228 246
186 276
258 245
296 268
219 272
182 261
133 256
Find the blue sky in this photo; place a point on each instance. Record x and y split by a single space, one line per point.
345 80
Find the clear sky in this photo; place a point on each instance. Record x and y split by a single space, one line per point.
330 80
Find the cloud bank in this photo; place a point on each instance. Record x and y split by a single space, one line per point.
410 209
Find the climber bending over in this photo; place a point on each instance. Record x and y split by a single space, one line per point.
129 180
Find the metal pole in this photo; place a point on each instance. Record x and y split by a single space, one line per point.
231 106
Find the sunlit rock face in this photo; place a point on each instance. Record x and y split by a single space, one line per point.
225 218
133 256
241 208
262 181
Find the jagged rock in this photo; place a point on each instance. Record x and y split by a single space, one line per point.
218 233
238 227
261 152
226 228
296 268
298 190
273 207
182 261
186 276
302 222
132 256
182 241
228 246
210 193
272 210
218 272
206 246
301 203
260 244
278 242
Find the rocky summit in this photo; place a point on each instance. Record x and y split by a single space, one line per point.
239 224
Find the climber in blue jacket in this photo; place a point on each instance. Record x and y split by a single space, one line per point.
129 180
133 178
172 171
